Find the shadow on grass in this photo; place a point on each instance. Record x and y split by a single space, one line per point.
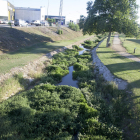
14 39
39 48
104 51
120 67
134 40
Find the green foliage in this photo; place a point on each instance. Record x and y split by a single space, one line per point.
65 59
74 27
79 67
105 16
57 72
45 111
81 21
89 44
75 47
94 111
60 32
10 24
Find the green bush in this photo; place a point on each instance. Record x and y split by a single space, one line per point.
60 32
79 67
77 47
89 42
57 72
74 27
47 111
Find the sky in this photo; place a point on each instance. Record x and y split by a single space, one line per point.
72 9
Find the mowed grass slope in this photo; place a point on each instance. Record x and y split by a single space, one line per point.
130 44
40 47
14 38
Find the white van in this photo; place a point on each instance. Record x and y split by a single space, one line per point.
19 22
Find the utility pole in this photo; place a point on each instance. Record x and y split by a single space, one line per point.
60 14
47 9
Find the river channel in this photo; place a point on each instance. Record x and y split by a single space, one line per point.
68 80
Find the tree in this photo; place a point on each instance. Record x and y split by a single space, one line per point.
73 26
111 16
81 21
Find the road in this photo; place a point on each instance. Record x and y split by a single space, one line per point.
6 25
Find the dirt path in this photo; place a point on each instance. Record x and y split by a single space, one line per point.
121 50
108 76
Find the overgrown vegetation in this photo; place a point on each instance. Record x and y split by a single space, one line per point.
77 47
89 44
60 32
95 111
14 84
74 27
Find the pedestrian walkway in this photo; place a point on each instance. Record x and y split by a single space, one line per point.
121 50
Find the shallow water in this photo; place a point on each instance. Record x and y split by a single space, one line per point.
84 49
68 80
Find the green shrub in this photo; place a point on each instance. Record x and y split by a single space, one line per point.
77 47
47 111
60 32
57 72
79 67
97 40
74 27
89 42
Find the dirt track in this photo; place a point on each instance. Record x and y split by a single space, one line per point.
121 50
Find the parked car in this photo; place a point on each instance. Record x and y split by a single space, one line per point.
41 23
4 21
11 21
27 21
45 23
19 22
1 21
32 22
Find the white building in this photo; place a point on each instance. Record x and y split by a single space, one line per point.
7 10
29 14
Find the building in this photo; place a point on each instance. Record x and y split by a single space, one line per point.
7 10
29 14
57 18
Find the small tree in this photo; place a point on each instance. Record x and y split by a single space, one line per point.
74 27
111 16
10 24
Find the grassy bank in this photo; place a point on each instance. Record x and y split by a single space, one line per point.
130 44
13 39
24 55
128 70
